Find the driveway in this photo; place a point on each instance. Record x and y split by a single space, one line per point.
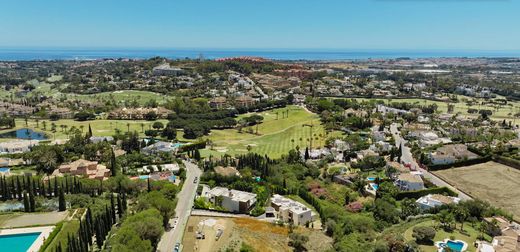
183 209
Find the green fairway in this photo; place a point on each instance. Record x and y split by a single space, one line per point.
275 136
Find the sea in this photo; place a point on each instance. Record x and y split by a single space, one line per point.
20 54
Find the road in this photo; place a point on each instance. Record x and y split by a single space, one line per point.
408 158
183 209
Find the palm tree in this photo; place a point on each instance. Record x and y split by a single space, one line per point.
44 124
81 127
37 123
142 127
128 127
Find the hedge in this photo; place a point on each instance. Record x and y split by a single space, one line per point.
51 237
193 146
507 161
420 193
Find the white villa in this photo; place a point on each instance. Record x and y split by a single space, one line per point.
292 211
435 200
409 182
17 146
232 200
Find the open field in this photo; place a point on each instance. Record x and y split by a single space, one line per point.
469 237
493 182
32 219
260 235
503 112
275 136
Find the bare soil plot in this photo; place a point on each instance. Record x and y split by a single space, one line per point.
493 182
34 219
260 235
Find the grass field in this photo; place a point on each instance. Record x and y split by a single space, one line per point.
275 136
493 182
469 237
503 112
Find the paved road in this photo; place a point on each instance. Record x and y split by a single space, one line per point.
183 209
408 158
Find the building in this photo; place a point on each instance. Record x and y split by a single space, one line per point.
409 182
218 102
98 139
435 200
147 169
244 101
450 154
166 69
160 146
84 168
290 211
17 146
232 200
507 241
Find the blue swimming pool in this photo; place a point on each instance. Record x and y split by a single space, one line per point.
371 179
17 242
453 245
374 186
144 176
4 169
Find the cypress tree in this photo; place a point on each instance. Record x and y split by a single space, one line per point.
26 206
119 206
149 186
124 204
112 208
113 164
67 185
18 188
61 201
32 202
55 194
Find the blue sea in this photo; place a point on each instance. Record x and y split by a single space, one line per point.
12 54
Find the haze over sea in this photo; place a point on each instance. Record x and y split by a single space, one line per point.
12 54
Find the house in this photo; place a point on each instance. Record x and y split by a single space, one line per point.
17 146
232 200
218 102
98 139
435 200
166 69
174 168
507 241
409 182
291 211
84 168
449 154
244 101
158 147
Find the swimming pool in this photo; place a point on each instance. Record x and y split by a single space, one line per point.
144 176
374 186
456 246
371 178
18 242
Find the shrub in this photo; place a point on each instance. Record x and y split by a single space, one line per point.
423 234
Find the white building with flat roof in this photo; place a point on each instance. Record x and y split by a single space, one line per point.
435 200
232 200
17 146
292 211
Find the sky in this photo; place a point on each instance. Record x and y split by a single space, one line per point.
289 24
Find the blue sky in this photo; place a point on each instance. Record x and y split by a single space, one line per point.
327 24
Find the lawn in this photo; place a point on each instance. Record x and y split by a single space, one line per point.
275 136
470 235
503 112
69 227
493 182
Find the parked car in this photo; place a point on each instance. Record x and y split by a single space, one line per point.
177 247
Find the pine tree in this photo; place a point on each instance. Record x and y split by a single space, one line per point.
61 201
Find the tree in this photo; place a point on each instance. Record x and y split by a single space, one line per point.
298 241
61 201
157 125
26 205
169 132
423 235
461 214
306 155
445 218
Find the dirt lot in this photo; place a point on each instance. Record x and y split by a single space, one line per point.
262 236
496 183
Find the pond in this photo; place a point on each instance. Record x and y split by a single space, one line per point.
24 133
